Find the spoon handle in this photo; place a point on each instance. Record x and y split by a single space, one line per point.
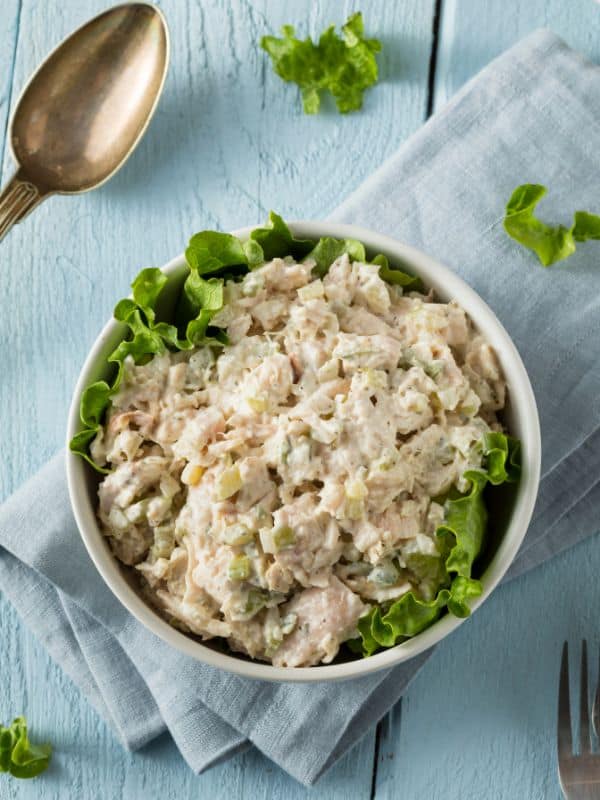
17 199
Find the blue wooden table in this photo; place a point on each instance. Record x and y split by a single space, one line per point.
228 143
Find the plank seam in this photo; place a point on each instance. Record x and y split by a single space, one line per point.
12 84
435 35
378 735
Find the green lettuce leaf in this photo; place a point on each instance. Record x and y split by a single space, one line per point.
254 253
144 340
461 537
405 618
209 252
343 65
464 525
17 755
275 240
146 288
328 249
503 458
551 243
204 299
586 226
396 276
462 590
93 404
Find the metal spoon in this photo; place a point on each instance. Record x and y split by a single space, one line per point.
85 109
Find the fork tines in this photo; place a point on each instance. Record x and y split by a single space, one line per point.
579 771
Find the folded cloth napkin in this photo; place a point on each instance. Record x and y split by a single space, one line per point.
529 116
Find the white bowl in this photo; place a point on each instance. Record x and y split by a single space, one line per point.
521 417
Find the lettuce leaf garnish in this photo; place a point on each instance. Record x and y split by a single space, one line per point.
17 755
210 252
93 404
212 258
461 537
343 65
276 239
551 243
397 276
327 250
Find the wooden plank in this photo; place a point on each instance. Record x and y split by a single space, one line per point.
10 33
473 32
229 142
479 720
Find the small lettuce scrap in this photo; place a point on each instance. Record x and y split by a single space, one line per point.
343 65
17 755
212 259
461 537
551 243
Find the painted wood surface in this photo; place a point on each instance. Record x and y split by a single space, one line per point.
228 143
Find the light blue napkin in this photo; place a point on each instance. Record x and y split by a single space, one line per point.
530 116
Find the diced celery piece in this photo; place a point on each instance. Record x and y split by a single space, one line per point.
283 537
434 368
192 474
256 599
355 489
273 643
276 539
239 568
258 403
228 483
237 535
272 632
164 542
355 509
375 378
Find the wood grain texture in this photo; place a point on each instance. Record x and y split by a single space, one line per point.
473 32
229 142
10 34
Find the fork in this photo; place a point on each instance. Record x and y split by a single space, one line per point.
579 773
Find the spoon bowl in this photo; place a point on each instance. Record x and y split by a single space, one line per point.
85 109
